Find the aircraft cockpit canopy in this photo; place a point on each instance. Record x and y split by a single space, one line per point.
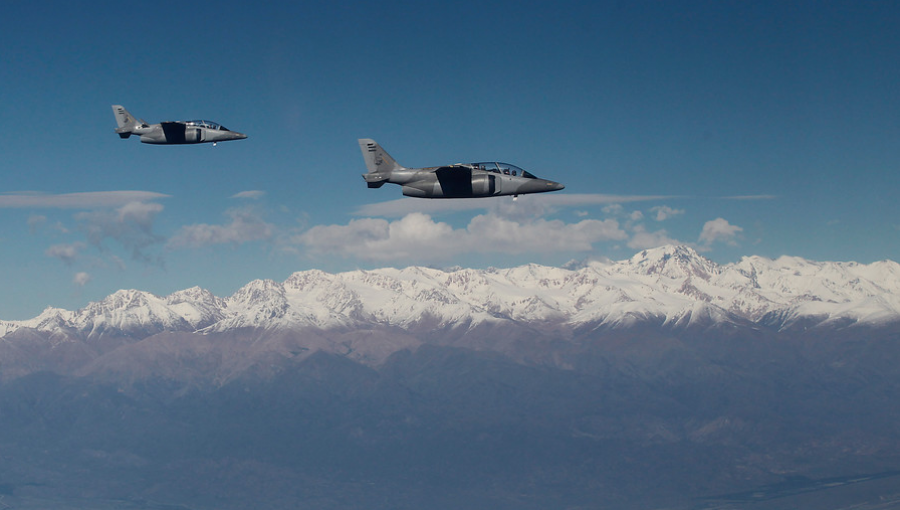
208 124
503 168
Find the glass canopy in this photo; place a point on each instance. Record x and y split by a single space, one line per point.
502 168
208 124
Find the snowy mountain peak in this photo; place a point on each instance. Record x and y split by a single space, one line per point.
255 292
52 317
122 300
197 306
675 262
670 285
256 303
304 279
191 295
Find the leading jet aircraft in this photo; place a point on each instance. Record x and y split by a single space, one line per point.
172 133
469 180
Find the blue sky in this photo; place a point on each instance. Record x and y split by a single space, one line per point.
740 128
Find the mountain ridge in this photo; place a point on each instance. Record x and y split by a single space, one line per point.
672 285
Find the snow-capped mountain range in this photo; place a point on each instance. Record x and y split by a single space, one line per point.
672 286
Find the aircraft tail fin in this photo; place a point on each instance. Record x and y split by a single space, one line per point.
127 123
377 159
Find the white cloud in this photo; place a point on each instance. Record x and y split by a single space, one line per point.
415 235
246 225
250 194
139 213
87 200
491 233
642 240
719 230
664 212
81 279
65 252
419 237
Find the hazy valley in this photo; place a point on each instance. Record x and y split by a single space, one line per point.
662 381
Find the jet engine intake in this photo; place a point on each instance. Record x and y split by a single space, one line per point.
483 185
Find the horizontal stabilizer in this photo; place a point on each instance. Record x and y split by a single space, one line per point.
375 180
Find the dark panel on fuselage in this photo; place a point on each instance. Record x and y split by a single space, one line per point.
174 132
455 181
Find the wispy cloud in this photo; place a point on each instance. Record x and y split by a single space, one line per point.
664 212
131 225
250 194
65 252
751 197
247 224
402 207
35 221
86 200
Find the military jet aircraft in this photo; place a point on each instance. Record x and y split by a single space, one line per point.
172 133
461 180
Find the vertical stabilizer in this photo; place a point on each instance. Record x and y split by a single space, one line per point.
126 121
378 161
123 118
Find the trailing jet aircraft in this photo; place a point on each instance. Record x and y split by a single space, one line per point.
461 180
173 133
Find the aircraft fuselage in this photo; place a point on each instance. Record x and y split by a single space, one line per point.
173 133
467 181
471 180
178 133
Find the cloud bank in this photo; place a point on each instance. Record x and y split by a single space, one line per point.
506 227
417 236
402 207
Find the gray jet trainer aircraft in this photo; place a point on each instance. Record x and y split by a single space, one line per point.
488 179
172 133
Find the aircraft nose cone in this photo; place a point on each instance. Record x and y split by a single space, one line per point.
239 136
540 186
549 186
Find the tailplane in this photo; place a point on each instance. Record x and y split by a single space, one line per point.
378 161
127 123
